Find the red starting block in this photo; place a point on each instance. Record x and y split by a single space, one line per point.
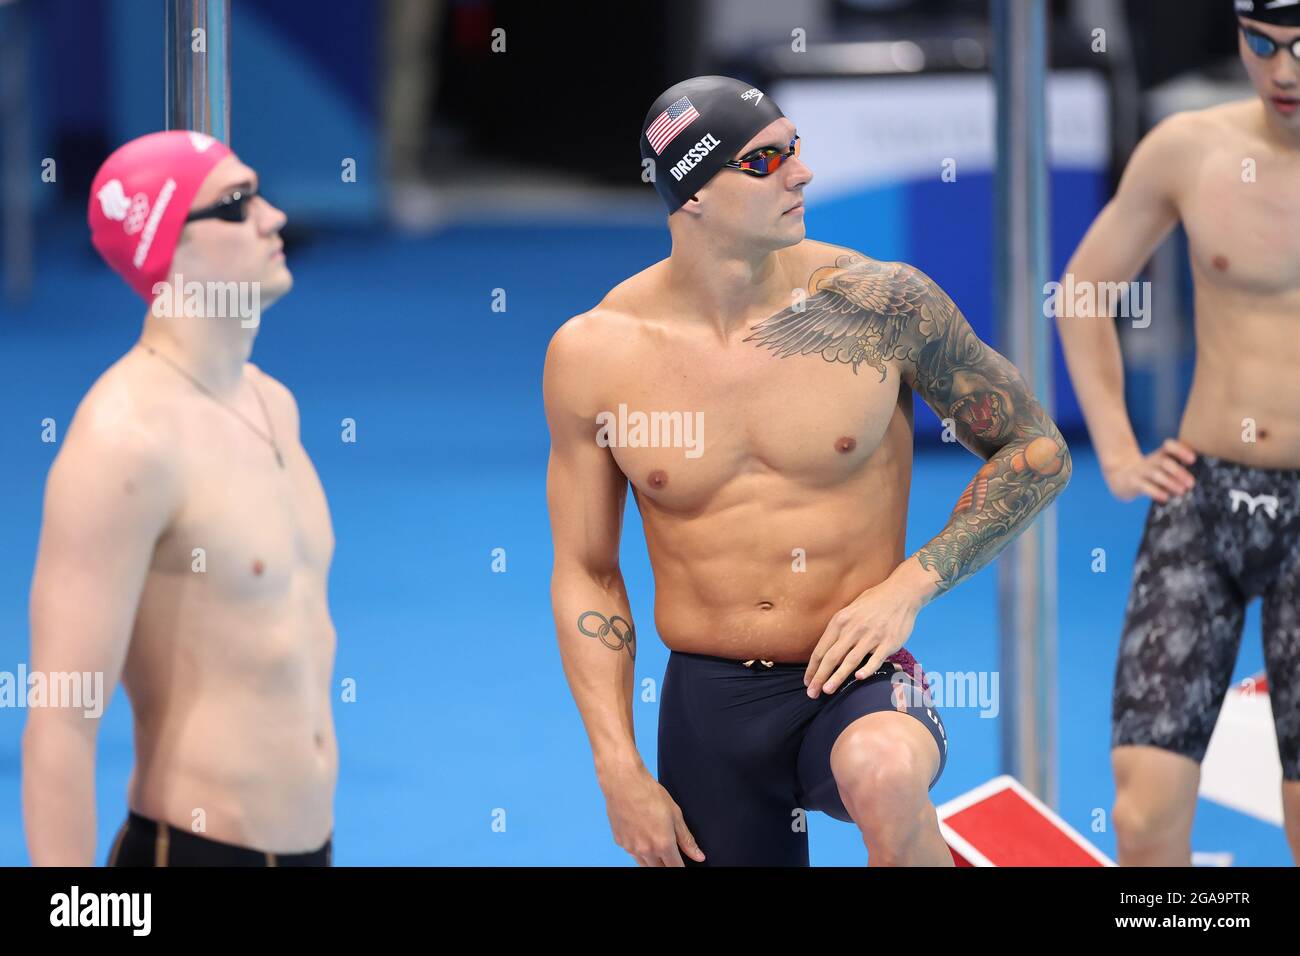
1000 823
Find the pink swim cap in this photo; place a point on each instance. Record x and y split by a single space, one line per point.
140 198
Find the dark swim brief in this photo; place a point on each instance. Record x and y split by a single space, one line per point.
743 749
143 842
1205 555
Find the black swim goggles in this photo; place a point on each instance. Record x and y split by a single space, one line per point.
232 208
765 161
1264 46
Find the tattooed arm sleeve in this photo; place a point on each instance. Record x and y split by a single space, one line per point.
995 415
883 315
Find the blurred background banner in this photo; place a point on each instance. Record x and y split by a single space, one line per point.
420 114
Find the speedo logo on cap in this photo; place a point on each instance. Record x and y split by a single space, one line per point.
753 93
694 156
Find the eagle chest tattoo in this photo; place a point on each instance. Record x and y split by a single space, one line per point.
857 314
875 313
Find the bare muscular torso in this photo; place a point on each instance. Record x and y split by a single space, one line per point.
798 501
229 665
1239 199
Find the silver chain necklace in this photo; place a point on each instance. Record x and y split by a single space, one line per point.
269 439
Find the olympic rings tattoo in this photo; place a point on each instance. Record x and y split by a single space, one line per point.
610 633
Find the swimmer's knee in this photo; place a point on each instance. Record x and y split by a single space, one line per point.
1146 821
881 778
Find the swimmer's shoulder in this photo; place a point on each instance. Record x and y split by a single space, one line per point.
1229 126
123 424
636 299
822 262
580 357
814 257
591 348
1238 118
1181 142
610 325
125 400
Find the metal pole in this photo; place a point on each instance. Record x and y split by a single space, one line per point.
196 54
1027 573
16 166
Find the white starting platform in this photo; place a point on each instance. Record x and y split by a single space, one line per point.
1242 769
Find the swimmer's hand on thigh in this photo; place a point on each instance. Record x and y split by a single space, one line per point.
878 623
1160 474
646 821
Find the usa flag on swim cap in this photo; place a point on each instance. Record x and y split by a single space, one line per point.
669 123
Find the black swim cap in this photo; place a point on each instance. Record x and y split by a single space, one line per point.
696 126
1282 13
